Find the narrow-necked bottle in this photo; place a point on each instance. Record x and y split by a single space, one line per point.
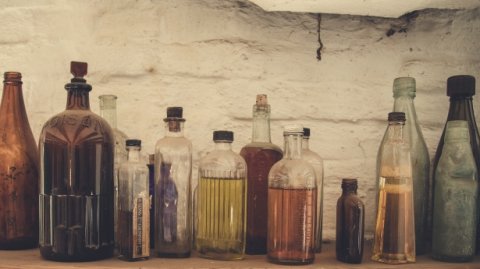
76 179
395 229
404 92
173 169
317 163
221 202
19 170
260 155
350 223
455 207
133 205
292 204
461 90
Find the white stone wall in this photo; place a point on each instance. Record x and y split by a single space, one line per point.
213 56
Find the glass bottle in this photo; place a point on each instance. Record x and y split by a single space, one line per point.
317 163
151 188
260 155
133 205
292 193
221 202
404 93
173 173
76 179
108 111
455 205
19 170
461 90
350 223
395 229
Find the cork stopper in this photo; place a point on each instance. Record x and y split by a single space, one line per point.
78 70
261 100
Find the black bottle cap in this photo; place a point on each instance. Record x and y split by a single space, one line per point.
133 142
396 116
306 132
461 85
223 136
174 112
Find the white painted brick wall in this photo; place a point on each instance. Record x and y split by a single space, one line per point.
213 56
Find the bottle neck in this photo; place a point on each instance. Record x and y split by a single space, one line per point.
174 128
306 143
395 131
261 124
461 108
293 145
133 153
12 101
349 189
110 115
78 99
223 145
404 103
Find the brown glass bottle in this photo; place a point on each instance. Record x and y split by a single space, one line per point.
18 170
76 179
350 224
260 155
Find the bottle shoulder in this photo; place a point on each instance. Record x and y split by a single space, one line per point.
292 173
133 166
312 156
263 145
225 160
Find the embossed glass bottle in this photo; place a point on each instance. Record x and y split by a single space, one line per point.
221 202
76 179
18 170
173 180
455 205
317 163
292 204
133 205
260 155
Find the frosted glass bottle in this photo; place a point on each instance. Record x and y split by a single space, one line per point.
292 204
404 93
221 202
173 180
260 155
133 205
456 196
394 241
317 163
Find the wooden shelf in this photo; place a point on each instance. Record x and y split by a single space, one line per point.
325 260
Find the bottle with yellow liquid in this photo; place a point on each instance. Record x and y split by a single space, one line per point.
221 202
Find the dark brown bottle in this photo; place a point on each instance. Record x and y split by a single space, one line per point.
18 170
260 156
76 179
461 90
350 224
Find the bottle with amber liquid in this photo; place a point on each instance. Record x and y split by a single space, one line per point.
350 223
260 155
18 170
76 179
292 204
394 241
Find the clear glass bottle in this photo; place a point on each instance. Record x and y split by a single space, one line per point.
133 205
461 90
260 155
317 163
350 223
456 196
76 179
221 202
19 170
292 204
173 173
108 111
404 92
395 229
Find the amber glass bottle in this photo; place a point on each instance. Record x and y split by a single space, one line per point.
76 179
18 170
350 223
260 155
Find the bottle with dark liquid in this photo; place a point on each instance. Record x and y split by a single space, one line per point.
395 229
455 207
133 205
350 223
292 204
260 155
18 171
173 168
151 187
76 179
221 202
461 90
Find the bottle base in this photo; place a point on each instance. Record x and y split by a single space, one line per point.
220 255
392 258
84 256
290 261
452 259
19 243
129 259
173 255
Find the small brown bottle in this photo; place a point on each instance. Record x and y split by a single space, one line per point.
350 223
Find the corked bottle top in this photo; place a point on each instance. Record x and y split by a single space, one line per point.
78 70
396 116
461 85
261 100
225 136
